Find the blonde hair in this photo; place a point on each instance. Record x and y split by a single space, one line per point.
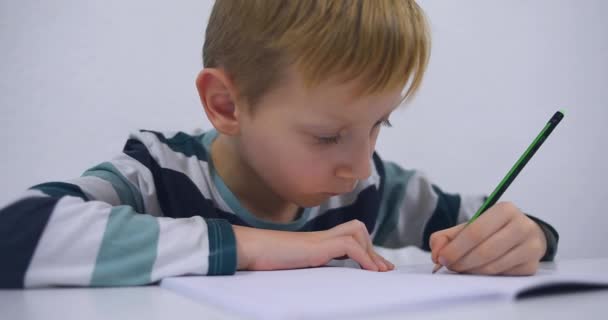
383 44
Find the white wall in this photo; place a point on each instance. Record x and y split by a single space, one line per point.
77 76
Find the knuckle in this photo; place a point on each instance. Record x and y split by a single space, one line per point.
529 225
474 235
360 225
356 225
433 237
508 207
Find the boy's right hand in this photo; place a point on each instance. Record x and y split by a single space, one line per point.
260 249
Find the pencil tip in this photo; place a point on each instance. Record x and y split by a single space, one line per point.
436 268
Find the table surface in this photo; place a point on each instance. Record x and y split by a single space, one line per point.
153 302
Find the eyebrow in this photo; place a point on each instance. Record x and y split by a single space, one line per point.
339 124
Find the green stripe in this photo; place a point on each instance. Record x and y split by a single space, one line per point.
183 143
60 189
128 193
445 215
222 247
128 249
395 182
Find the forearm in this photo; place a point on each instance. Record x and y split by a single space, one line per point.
71 242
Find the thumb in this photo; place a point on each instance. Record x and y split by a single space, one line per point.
440 239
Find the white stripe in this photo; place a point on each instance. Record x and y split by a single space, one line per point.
97 189
192 167
469 204
416 209
141 177
183 248
67 250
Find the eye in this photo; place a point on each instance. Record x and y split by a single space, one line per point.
329 140
386 123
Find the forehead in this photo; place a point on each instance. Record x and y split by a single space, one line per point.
331 100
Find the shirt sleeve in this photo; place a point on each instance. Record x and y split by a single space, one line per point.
106 228
412 208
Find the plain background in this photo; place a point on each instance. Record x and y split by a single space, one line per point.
77 76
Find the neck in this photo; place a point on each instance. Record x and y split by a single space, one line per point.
246 185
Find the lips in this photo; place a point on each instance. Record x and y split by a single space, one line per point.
336 193
342 192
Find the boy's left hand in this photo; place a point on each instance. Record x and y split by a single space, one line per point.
502 241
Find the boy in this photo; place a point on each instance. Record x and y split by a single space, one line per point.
297 93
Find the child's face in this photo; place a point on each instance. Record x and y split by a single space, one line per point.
308 145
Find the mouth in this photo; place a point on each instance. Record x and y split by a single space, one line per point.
333 194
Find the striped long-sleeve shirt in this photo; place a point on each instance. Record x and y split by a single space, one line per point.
160 209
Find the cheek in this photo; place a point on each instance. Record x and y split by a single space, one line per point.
288 164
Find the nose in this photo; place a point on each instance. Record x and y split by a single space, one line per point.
356 164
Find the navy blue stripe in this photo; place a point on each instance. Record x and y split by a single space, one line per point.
183 143
444 216
177 195
21 226
364 209
60 189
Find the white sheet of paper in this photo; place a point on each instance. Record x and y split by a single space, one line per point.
331 292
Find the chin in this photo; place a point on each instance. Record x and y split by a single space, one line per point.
312 201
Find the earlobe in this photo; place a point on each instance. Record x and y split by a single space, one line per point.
218 99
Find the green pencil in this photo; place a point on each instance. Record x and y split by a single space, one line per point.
517 167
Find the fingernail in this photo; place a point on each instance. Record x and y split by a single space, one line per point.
442 261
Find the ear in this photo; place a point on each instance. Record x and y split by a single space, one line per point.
218 98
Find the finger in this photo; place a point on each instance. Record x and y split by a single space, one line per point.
441 238
347 245
379 262
475 233
354 228
491 249
387 264
519 255
358 230
390 265
347 228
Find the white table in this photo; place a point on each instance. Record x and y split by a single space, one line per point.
152 302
